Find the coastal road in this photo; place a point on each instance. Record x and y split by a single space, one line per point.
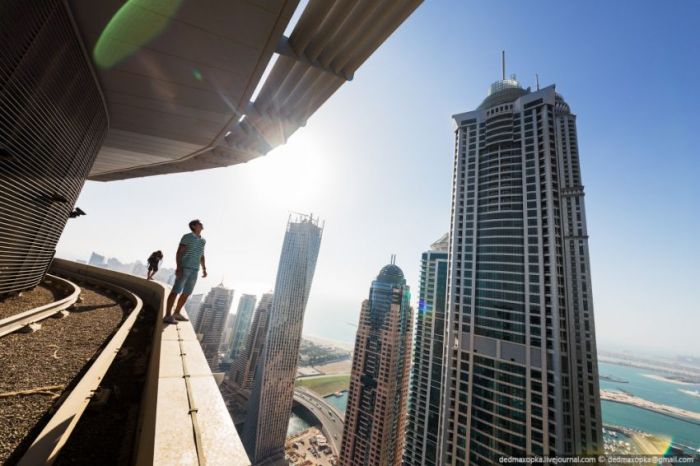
329 416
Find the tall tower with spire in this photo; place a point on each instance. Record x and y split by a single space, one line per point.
521 371
375 418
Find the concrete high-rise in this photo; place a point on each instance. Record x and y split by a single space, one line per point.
241 323
244 365
192 307
97 260
211 320
521 366
375 418
426 373
270 404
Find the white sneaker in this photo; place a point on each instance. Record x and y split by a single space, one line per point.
169 320
180 317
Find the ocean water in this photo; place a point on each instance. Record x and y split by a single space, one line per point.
340 402
658 391
630 416
296 425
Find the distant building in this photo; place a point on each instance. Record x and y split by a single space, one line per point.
192 307
211 320
375 418
521 371
96 260
227 337
115 264
245 364
139 268
241 323
426 374
270 405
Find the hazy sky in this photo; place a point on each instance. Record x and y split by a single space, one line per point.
375 163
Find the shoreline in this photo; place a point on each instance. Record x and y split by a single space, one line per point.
692 393
346 346
662 378
690 417
678 372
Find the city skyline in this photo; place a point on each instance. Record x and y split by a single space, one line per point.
359 134
532 166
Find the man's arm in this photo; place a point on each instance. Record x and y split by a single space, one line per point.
204 266
178 258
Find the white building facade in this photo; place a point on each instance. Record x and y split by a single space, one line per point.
521 366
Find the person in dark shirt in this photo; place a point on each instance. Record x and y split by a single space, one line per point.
153 261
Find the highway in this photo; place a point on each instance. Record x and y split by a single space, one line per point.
329 416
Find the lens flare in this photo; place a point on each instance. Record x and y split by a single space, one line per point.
135 24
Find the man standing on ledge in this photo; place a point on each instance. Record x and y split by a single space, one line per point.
189 255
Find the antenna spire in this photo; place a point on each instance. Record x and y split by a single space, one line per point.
537 78
503 65
392 260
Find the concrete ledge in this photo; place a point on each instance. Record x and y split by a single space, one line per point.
179 379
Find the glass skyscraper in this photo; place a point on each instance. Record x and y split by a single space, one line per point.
426 374
241 324
211 321
243 368
375 418
521 369
270 405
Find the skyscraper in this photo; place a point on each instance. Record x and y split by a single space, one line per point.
211 321
241 324
244 365
426 373
192 307
521 365
270 404
97 260
375 418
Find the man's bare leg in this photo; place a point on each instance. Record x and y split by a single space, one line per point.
180 302
169 304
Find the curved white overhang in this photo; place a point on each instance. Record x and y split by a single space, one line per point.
182 100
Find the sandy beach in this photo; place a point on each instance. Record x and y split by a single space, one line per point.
664 379
326 342
672 411
694 393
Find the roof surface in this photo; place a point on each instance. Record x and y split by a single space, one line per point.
391 273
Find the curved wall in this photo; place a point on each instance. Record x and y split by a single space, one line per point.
52 123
